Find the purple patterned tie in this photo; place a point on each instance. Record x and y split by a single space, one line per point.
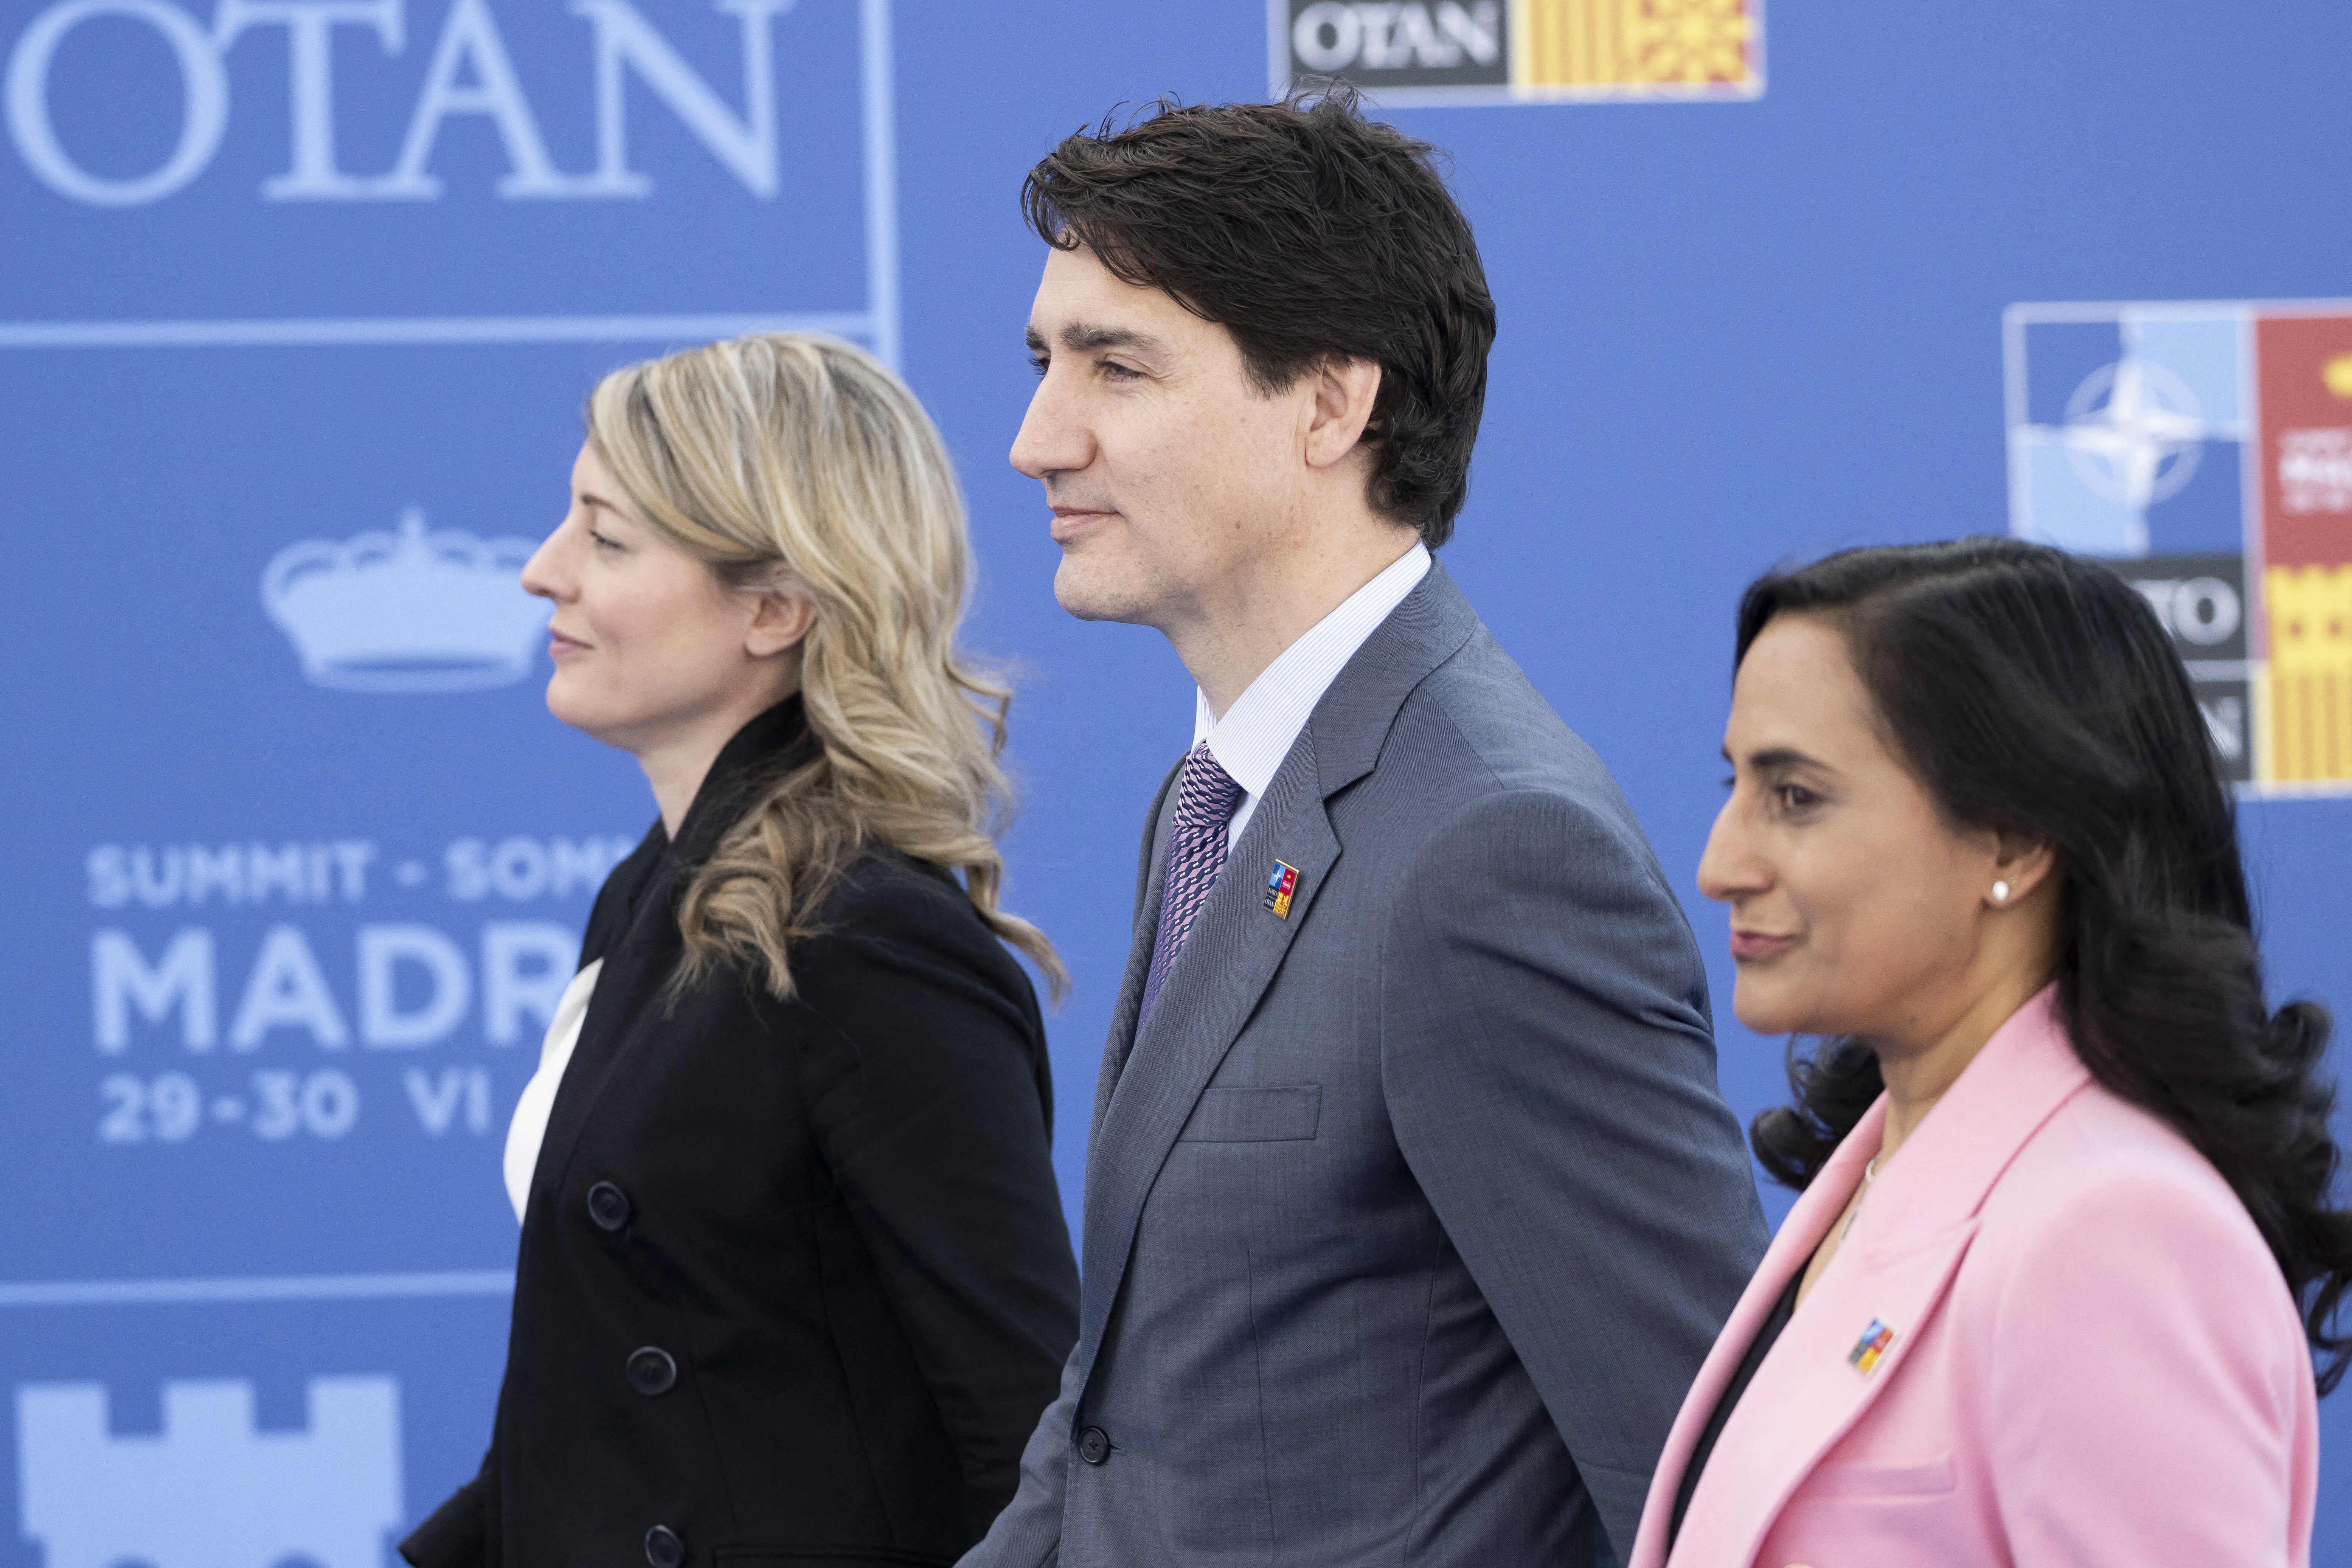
1205 798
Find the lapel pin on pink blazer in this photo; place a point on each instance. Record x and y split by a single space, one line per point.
1871 1349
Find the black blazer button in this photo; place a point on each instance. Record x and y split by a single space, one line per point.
651 1372
608 1205
663 1548
1093 1445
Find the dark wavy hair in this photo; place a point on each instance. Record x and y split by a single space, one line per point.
2036 692
1310 233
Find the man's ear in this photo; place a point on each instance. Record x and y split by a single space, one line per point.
1345 391
782 616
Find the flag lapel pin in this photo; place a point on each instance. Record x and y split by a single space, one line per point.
1871 1349
1279 888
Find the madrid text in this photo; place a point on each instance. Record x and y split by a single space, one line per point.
272 991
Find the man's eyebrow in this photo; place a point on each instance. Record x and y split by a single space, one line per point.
1085 335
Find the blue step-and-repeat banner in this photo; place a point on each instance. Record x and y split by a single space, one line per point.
298 303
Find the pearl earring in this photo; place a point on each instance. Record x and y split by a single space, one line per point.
2001 892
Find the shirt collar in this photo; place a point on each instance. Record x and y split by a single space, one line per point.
1258 730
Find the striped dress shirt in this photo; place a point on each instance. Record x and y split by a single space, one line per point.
1258 730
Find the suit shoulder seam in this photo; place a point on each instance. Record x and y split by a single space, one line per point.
1469 747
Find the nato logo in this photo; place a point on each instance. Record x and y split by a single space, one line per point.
2204 450
210 1492
2125 433
418 610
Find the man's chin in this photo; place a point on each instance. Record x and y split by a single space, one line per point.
1087 597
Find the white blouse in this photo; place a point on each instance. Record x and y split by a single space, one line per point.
528 1128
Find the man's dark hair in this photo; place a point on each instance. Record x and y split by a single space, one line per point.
1311 233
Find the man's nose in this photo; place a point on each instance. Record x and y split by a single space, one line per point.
1052 439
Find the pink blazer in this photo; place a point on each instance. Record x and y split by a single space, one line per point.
2054 1336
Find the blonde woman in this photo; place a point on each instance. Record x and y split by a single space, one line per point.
794 1282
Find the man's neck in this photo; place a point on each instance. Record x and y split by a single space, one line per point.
1228 641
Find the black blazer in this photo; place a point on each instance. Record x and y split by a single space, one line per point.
794 1281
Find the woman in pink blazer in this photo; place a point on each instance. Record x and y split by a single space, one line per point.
2064 1253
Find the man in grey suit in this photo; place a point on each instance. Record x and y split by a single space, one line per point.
1411 1205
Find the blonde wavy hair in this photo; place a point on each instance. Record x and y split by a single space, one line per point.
786 460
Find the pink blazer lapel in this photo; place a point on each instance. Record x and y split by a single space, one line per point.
1846 1343
1888 1280
1817 1208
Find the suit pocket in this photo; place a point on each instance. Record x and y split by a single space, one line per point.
1922 1478
1255 1113
1872 1514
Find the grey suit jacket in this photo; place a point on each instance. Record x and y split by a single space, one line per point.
1409 1218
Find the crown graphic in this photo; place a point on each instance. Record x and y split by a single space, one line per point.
412 610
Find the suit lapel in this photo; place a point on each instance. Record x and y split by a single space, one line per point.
1227 963
1352 723
637 968
1800 1234
1892 1274
1811 1391
1152 1078
1150 877
634 926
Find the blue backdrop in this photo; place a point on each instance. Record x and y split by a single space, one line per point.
299 305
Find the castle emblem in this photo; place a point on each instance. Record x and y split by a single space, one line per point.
209 1488
417 610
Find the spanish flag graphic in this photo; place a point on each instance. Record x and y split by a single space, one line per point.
1637 47
2305 446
